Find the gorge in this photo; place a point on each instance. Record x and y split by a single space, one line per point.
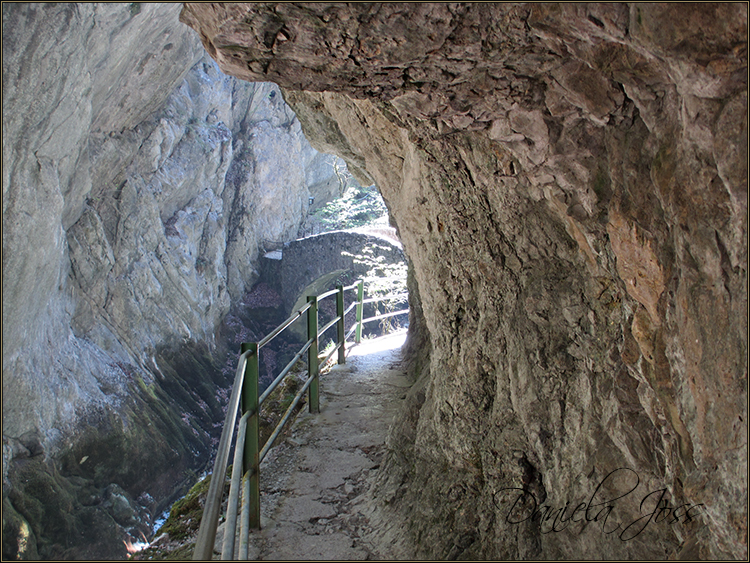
569 182
141 187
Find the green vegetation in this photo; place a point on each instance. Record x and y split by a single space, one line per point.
381 280
357 207
278 402
185 516
363 207
146 389
181 525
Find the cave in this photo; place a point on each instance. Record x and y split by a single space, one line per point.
568 182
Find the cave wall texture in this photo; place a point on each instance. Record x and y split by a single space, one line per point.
139 186
570 185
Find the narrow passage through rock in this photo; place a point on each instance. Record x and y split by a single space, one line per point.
315 486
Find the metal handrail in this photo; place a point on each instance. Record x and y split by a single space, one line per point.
385 316
283 373
247 456
384 298
207 534
284 419
275 332
327 294
329 325
350 307
234 486
348 334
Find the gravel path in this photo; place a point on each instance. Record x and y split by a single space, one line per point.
315 485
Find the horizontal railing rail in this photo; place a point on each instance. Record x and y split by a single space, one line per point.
385 298
245 479
385 316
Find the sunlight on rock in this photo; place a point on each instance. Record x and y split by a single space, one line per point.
555 192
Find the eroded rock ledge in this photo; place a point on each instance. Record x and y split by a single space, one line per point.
570 184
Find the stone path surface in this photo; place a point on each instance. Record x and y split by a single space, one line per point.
314 486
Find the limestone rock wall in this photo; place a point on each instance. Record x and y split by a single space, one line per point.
139 186
570 185
51 99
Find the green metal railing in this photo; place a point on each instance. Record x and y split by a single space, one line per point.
245 480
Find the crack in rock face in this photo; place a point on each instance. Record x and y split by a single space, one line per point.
569 183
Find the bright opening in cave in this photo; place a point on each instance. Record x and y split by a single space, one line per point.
357 207
390 341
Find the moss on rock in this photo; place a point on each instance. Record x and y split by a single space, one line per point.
185 516
21 541
175 539
43 499
124 469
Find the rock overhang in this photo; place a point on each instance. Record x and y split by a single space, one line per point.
571 190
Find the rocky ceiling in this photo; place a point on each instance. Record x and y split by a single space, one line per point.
570 185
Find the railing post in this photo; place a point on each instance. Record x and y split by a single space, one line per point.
340 324
312 353
252 437
360 298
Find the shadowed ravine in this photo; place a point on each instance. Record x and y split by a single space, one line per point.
568 182
318 486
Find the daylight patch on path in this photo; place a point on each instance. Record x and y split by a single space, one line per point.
314 486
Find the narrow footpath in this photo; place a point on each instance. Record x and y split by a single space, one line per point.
315 501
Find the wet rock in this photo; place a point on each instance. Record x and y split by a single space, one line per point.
118 505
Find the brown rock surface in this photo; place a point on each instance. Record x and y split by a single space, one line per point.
570 185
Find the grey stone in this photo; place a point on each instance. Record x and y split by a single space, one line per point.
140 185
569 183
